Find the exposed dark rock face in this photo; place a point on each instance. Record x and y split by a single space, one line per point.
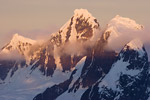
68 34
68 62
83 26
45 60
7 65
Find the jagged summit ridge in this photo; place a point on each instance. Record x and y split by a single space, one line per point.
81 26
86 15
16 37
79 12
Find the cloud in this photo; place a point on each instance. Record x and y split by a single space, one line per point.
128 35
13 55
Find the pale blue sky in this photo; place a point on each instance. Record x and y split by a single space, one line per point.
33 17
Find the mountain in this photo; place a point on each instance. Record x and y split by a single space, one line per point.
60 51
127 79
79 62
97 63
51 63
14 54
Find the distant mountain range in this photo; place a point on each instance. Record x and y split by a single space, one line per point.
79 62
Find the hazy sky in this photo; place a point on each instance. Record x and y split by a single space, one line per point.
33 17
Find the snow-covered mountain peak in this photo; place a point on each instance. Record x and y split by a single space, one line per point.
81 26
82 12
129 23
119 26
18 43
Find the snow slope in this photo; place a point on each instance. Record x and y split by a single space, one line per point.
25 84
74 95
